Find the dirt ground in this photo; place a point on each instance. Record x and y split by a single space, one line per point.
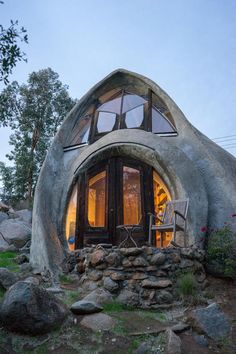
133 329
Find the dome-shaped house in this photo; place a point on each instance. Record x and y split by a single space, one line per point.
123 151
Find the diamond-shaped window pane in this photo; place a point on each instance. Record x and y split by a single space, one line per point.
134 118
132 101
160 124
106 121
112 106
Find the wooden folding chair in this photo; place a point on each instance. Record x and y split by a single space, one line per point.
174 219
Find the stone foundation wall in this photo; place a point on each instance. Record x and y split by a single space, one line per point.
144 277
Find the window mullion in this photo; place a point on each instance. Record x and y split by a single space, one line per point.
93 123
120 118
149 111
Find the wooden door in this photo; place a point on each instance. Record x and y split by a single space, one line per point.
116 192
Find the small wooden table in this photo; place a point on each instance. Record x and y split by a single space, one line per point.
129 233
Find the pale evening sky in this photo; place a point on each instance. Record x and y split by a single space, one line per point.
188 47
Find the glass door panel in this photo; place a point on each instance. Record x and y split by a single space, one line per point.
132 210
71 219
97 200
161 196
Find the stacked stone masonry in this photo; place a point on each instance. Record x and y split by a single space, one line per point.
143 277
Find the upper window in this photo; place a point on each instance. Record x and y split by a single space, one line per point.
80 133
123 110
134 117
105 122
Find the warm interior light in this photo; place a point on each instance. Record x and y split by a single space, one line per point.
97 200
71 219
131 196
161 196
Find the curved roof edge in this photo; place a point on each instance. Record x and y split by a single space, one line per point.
111 76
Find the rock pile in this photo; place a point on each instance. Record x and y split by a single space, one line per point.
15 228
145 277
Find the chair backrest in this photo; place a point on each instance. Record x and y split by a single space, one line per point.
178 205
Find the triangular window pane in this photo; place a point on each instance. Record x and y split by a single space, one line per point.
132 101
160 124
112 106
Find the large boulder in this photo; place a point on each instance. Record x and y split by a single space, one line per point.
211 321
4 246
7 278
15 232
29 309
25 215
3 216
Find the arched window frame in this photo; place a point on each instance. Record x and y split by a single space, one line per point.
152 102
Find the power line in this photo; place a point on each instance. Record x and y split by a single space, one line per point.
228 147
224 137
224 146
225 140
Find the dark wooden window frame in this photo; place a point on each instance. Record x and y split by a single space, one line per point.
146 124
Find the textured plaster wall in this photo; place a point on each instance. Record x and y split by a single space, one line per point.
191 165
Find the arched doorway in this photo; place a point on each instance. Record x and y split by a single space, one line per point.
114 192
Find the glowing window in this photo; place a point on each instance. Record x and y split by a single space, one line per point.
97 200
131 196
161 196
71 219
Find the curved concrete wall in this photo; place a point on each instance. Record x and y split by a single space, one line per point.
191 165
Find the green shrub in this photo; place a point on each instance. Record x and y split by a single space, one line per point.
7 261
221 251
65 279
186 285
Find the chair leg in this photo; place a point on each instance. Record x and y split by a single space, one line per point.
174 233
174 229
150 230
185 225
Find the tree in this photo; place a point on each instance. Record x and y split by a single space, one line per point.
34 112
10 51
6 178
